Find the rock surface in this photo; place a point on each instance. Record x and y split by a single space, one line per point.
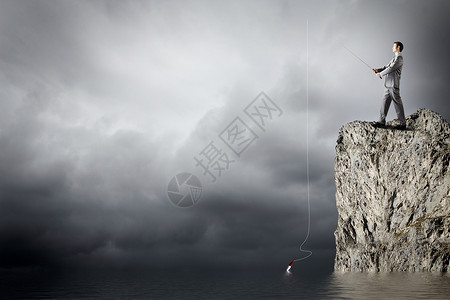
392 196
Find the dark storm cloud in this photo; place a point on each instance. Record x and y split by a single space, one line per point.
103 102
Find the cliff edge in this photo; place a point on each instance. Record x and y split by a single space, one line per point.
392 196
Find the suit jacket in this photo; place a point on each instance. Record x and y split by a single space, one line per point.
392 72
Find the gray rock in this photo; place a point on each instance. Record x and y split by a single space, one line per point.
392 196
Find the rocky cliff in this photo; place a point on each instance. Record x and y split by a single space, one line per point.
392 196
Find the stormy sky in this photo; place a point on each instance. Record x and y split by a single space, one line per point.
103 102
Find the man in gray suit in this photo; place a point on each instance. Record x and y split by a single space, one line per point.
392 73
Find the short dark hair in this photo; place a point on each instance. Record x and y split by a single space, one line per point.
399 44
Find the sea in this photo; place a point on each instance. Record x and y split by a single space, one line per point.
26 284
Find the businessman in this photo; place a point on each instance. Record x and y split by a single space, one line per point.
392 73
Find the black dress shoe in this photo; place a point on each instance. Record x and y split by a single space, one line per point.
377 124
400 127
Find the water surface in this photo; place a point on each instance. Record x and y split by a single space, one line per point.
221 285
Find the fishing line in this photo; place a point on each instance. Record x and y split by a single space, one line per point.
308 252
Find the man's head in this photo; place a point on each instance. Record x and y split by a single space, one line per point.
397 47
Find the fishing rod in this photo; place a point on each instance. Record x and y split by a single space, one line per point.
359 58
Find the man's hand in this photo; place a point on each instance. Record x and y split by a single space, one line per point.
375 70
379 75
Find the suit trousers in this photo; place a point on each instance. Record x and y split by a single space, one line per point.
392 94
